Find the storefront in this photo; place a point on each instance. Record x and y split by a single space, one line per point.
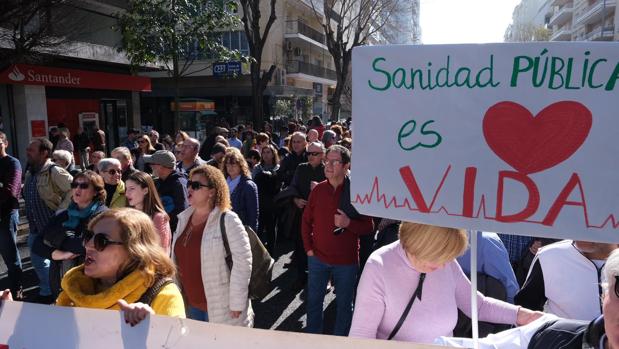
45 97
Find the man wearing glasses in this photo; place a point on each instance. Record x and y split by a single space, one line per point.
305 178
47 189
330 254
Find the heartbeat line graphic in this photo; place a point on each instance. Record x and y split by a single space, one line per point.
375 195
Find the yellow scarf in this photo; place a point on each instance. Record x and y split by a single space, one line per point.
79 290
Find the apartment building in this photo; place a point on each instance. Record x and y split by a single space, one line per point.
296 45
84 82
583 20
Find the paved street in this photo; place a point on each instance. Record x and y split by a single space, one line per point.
282 310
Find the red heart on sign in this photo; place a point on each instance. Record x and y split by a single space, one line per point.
532 144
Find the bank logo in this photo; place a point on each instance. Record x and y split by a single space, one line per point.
16 75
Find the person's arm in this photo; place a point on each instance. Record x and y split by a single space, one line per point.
488 309
496 264
241 261
163 228
250 196
307 223
363 225
532 295
370 302
12 182
62 180
179 197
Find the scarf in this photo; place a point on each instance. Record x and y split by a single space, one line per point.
76 215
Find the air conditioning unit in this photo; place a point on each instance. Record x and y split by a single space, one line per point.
297 51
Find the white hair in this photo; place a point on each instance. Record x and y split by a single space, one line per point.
107 162
611 269
63 155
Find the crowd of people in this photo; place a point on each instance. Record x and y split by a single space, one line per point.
162 228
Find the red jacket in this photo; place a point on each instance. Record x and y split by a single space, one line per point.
318 224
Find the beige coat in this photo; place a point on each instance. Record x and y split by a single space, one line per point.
225 290
54 191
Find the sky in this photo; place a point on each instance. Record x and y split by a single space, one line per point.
465 21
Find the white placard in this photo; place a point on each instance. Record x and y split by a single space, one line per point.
25 325
512 138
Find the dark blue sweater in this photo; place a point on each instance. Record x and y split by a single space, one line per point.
245 202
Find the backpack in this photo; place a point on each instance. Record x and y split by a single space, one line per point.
260 283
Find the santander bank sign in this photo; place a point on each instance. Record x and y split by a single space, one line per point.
38 75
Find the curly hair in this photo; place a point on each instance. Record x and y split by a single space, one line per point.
217 181
97 183
234 155
140 239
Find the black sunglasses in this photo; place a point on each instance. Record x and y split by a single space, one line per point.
81 185
315 153
197 185
617 286
100 240
113 172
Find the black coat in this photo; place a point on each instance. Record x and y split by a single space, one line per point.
304 175
288 165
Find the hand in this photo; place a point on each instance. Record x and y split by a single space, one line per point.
235 314
526 316
59 255
313 184
135 312
6 295
300 202
535 246
341 220
310 253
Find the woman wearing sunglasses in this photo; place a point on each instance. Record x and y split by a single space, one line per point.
214 292
62 240
145 147
142 195
243 191
110 170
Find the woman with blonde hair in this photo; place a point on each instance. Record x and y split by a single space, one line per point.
124 269
243 190
214 291
145 147
142 195
389 301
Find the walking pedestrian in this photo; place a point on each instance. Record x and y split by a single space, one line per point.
171 184
265 177
243 191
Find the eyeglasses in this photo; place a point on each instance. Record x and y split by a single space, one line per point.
333 162
617 286
141 141
100 240
113 171
315 153
197 185
81 185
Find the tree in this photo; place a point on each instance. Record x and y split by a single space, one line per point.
174 33
256 40
35 27
525 32
348 24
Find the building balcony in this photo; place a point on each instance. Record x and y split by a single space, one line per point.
596 11
562 34
561 16
561 2
601 34
298 30
310 72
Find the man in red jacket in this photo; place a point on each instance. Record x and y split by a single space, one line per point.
331 254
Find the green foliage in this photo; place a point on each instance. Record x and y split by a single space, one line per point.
174 33
284 107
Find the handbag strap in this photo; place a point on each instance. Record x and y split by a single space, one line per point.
224 236
416 294
152 292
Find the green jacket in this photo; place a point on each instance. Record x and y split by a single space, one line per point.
54 186
119 199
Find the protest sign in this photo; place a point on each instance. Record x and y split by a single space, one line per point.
25 325
514 138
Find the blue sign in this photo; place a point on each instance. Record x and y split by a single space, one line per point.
227 69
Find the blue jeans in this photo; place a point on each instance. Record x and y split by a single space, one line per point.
9 250
40 265
197 314
345 279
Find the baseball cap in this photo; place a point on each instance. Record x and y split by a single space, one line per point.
164 158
